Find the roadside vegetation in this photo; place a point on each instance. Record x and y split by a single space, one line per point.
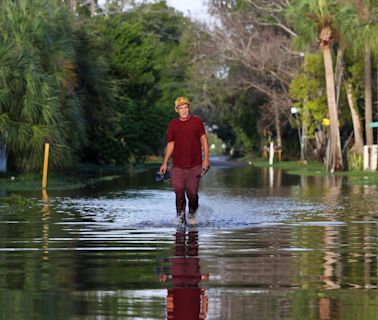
15 200
314 168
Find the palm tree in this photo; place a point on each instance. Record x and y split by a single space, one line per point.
364 37
334 160
316 18
358 145
37 99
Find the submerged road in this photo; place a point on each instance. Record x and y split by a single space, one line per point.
266 245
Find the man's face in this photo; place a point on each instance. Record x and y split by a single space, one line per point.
183 111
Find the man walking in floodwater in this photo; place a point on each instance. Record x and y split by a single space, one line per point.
185 141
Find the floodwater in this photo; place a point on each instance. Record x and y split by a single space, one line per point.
266 245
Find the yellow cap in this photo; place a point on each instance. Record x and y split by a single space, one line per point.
181 101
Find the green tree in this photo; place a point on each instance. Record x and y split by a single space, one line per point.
148 63
97 91
307 90
256 36
362 37
317 19
38 103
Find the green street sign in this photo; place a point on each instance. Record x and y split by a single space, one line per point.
373 125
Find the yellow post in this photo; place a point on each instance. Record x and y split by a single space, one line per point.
45 166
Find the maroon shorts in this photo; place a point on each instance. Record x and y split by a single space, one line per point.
186 182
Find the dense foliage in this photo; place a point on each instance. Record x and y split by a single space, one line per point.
148 62
38 100
97 89
98 83
303 54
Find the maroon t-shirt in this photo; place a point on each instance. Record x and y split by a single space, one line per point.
186 135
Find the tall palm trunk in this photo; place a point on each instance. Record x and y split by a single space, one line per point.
368 96
357 126
339 73
334 160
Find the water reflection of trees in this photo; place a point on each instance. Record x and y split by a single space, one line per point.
347 242
328 309
349 229
330 251
318 268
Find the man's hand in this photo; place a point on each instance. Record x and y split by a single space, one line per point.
167 155
205 164
163 168
205 147
163 278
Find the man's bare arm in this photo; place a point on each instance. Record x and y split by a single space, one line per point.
167 155
205 147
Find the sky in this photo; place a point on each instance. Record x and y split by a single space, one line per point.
193 8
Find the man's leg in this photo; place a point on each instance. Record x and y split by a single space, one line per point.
178 185
192 186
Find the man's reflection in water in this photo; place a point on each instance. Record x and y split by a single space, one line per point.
186 300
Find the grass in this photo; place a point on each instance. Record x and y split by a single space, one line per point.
24 182
88 174
315 168
79 177
360 177
310 168
15 200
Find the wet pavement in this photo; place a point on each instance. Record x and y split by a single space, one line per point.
265 245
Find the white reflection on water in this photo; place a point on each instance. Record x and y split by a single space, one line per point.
155 208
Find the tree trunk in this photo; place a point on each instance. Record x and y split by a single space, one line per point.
72 5
339 74
368 97
320 144
3 157
93 8
277 124
305 123
358 146
106 8
300 136
334 160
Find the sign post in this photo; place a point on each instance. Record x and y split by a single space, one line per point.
371 153
45 166
271 153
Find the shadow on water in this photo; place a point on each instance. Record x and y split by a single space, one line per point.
266 245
